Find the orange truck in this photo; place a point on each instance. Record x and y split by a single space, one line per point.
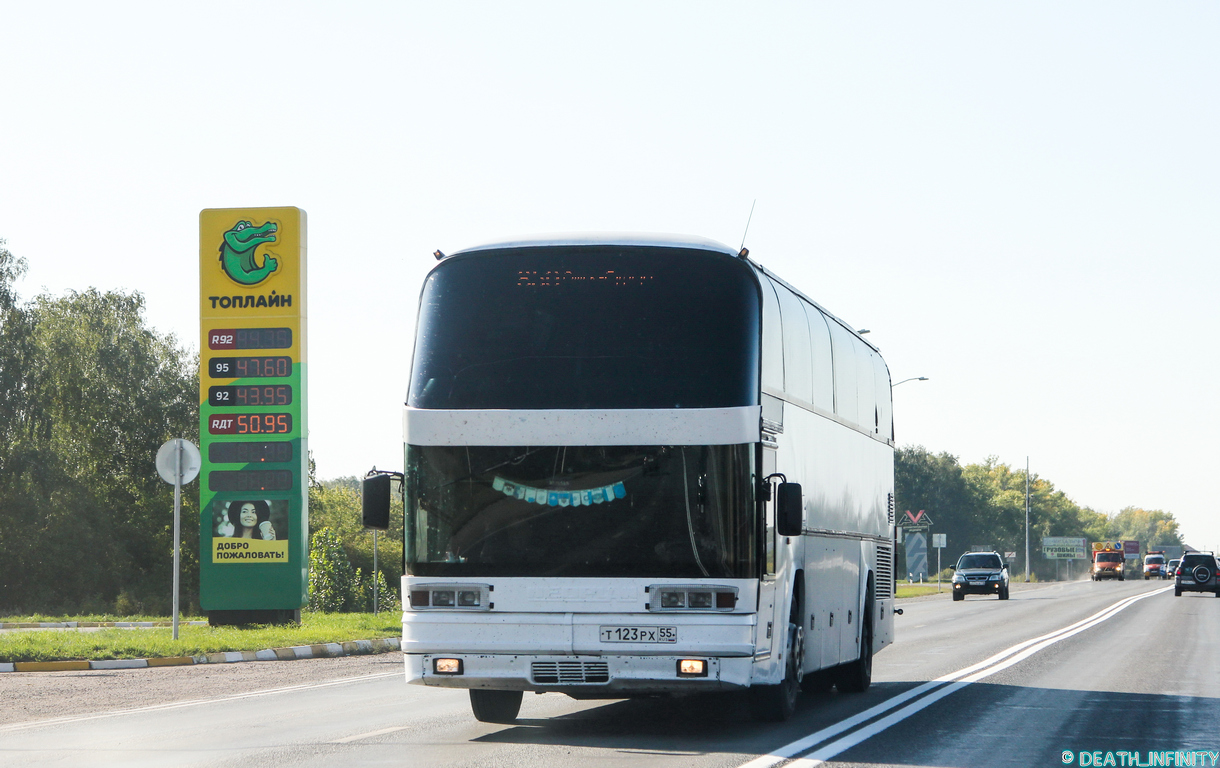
1107 560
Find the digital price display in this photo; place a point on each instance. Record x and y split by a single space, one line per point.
250 338
250 453
249 367
250 424
250 395
250 480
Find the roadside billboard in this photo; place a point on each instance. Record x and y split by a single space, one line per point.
254 481
1065 548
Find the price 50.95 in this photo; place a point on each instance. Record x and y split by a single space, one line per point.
250 424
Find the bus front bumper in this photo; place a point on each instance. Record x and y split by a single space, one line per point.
581 676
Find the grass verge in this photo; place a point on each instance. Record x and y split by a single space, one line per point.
147 643
916 590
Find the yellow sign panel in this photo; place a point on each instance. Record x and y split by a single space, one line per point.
249 551
259 265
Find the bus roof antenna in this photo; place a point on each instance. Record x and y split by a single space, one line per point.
744 252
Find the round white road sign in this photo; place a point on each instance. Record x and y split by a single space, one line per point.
167 461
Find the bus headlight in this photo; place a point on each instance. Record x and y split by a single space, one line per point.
701 597
671 599
468 597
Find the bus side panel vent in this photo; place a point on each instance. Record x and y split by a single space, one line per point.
885 572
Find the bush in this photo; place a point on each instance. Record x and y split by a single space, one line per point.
387 596
126 605
333 584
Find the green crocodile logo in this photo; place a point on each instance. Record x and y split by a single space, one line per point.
237 252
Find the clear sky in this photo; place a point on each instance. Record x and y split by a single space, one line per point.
1019 200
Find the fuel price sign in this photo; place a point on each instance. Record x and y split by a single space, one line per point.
254 518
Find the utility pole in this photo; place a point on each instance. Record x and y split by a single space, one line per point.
1027 519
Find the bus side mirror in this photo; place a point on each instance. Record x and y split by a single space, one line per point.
789 517
375 502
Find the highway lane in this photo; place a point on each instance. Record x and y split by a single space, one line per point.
1146 680
1123 684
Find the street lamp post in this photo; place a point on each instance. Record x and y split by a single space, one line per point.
913 378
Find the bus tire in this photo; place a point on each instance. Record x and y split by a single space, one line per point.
776 703
856 676
495 706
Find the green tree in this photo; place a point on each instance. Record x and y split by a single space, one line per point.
984 504
336 504
936 484
90 393
1147 526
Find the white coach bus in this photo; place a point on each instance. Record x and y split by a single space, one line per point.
639 465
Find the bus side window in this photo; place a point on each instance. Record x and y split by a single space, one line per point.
798 371
772 338
843 346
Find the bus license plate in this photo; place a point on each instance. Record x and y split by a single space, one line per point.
639 634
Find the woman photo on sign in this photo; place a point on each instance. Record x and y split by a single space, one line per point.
247 520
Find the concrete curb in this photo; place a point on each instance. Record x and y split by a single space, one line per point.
319 651
79 624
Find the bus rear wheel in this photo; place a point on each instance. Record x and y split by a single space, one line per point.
495 706
857 676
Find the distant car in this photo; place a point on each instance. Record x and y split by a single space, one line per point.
1171 570
980 573
1197 573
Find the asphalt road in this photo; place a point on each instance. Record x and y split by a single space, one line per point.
1063 667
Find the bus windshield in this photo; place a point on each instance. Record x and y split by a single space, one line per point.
588 327
654 511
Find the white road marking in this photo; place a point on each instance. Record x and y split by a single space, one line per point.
369 735
956 681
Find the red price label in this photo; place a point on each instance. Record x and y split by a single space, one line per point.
225 338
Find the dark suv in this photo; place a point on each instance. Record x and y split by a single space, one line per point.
980 573
1196 573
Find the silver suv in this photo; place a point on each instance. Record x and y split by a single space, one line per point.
1196 573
